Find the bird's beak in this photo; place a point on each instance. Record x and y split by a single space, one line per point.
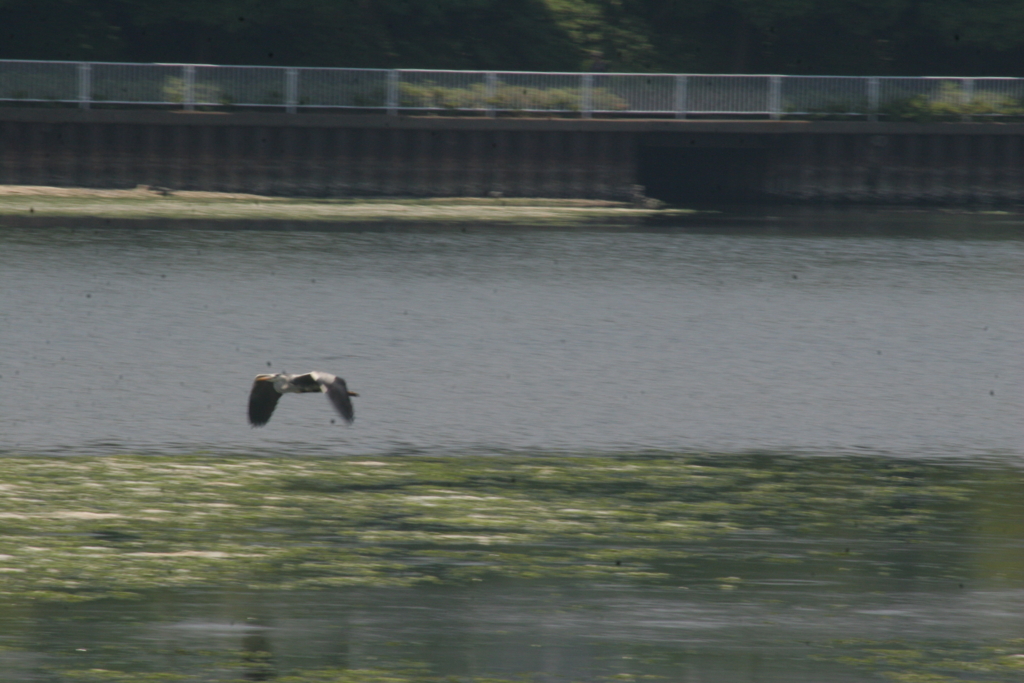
352 393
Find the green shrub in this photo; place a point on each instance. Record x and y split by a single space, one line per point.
174 91
505 97
433 96
951 104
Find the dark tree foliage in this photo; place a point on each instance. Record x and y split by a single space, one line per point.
856 37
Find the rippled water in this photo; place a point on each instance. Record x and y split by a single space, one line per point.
148 340
828 341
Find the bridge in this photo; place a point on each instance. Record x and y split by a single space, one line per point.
687 138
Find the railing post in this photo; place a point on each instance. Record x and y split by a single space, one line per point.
392 102
188 94
84 85
490 90
775 97
291 90
872 99
967 85
586 95
681 104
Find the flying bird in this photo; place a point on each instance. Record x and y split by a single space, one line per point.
268 389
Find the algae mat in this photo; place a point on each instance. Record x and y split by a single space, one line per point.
784 552
81 528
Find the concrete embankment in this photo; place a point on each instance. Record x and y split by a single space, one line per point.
681 161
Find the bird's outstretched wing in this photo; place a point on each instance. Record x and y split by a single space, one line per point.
337 392
262 400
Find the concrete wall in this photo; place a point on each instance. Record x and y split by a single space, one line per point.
311 155
352 155
982 164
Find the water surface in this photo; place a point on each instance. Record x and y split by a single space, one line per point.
132 340
836 414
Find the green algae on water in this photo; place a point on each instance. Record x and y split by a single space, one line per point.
933 662
98 527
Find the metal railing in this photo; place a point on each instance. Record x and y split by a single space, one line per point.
188 86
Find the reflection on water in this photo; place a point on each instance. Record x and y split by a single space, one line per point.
527 496
552 634
573 340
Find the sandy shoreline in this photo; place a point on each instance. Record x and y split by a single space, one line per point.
144 202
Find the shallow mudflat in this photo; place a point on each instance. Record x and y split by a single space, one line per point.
144 202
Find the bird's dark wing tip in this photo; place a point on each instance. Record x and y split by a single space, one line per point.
337 392
262 400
